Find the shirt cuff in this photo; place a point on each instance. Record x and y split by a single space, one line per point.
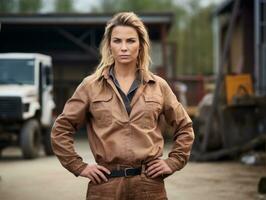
77 166
173 163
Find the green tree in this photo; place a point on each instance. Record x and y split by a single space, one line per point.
20 6
195 43
7 6
29 6
64 6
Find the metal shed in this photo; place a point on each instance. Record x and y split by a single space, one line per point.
73 40
248 40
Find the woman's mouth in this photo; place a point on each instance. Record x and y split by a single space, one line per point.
124 56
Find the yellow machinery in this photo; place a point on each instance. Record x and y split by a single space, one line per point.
232 120
238 86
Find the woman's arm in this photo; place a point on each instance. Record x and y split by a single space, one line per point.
178 118
64 128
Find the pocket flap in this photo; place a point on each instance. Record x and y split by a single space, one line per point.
102 97
153 98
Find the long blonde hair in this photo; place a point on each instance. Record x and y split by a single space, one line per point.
125 19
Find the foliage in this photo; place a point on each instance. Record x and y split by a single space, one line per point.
64 6
22 6
29 6
7 6
34 6
195 44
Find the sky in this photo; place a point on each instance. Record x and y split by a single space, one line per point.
207 2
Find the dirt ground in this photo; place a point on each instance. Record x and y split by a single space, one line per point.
45 179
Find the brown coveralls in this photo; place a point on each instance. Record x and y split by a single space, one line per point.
118 139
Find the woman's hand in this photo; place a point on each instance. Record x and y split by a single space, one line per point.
157 168
95 173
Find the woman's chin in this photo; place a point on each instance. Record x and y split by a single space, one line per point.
124 61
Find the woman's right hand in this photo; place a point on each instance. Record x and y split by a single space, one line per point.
95 173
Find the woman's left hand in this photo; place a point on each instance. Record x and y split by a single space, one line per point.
157 168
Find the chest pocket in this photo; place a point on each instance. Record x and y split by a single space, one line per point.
152 110
101 110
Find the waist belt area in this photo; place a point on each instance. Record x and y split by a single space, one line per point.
126 172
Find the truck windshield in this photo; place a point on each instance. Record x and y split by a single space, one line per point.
17 71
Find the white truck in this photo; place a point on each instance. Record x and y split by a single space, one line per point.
26 102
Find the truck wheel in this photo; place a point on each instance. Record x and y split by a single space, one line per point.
47 142
30 139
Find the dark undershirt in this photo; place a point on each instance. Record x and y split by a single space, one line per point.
126 97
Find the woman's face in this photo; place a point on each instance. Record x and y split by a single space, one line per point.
124 44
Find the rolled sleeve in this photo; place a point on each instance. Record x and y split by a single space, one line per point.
64 128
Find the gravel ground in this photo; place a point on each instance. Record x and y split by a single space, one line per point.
45 179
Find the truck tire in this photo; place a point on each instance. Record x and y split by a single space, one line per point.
30 139
47 142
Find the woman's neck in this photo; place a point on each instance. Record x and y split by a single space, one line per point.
124 71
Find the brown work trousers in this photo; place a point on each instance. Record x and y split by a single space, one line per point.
138 187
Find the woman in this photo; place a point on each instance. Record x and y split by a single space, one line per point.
121 104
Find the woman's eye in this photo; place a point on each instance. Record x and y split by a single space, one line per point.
116 41
131 41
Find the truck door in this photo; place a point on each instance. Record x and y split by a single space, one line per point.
46 90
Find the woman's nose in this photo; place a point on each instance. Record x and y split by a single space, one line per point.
124 46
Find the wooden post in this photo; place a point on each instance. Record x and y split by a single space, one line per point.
220 75
164 50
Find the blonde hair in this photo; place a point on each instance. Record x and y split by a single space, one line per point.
125 19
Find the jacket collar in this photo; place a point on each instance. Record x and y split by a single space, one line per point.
147 76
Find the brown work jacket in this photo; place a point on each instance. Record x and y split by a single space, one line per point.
116 137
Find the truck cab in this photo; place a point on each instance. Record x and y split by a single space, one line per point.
26 102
